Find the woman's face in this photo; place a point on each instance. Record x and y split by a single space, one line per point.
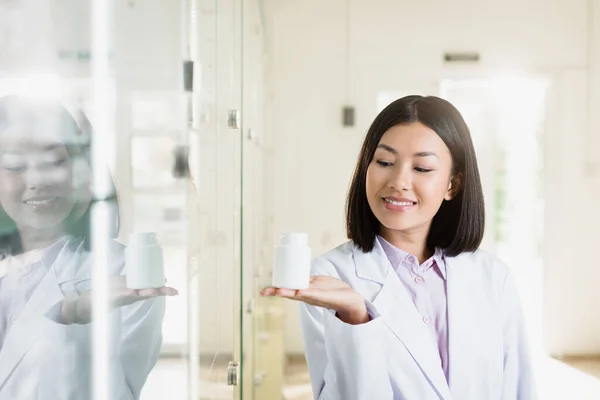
408 178
36 178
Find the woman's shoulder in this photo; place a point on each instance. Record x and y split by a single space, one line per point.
479 263
75 260
478 257
329 262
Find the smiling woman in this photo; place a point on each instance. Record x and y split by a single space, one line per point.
46 299
45 189
409 177
389 315
421 146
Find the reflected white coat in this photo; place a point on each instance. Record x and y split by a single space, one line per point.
45 360
394 357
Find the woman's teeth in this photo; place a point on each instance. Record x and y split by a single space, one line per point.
400 203
39 202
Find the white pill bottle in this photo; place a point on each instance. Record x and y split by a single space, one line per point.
144 262
291 266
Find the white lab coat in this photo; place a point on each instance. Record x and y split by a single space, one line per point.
394 356
44 360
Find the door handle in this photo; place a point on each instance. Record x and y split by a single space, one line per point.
233 373
233 119
181 166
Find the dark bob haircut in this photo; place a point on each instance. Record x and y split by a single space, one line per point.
77 139
459 224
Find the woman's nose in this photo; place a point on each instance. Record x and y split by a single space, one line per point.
402 178
36 178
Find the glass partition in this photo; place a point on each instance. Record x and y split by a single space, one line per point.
121 173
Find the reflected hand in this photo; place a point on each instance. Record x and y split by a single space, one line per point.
328 292
79 310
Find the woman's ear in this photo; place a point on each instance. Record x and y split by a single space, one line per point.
453 187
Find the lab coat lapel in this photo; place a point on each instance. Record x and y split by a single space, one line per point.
30 323
462 312
401 316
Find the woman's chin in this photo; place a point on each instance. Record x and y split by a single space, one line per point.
44 222
408 227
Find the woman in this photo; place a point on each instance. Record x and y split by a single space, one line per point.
45 274
410 308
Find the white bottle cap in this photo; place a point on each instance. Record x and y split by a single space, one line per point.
142 239
294 239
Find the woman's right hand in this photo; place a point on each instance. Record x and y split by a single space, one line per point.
328 292
79 310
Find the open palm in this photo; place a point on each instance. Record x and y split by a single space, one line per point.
327 292
118 296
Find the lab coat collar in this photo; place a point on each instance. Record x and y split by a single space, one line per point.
51 253
67 260
401 316
373 266
396 255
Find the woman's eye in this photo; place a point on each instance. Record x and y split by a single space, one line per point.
54 163
419 169
14 167
384 163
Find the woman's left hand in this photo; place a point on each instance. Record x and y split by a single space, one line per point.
79 310
328 292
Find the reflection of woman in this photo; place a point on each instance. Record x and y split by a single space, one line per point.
410 308
45 310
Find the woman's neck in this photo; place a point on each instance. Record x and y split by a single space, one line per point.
414 243
34 239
